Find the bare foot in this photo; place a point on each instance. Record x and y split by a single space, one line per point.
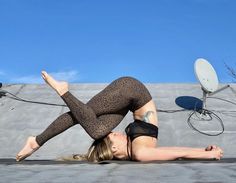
30 147
61 87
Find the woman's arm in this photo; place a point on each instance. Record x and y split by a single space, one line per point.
172 153
208 148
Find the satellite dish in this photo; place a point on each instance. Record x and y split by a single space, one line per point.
206 75
207 78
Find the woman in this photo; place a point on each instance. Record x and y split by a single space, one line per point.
103 113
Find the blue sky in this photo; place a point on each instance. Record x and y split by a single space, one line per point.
155 41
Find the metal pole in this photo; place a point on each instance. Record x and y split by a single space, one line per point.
227 86
204 100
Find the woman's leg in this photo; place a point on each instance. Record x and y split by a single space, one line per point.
100 115
96 126
125 92
107 109
62 123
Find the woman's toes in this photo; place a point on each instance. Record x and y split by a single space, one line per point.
44 74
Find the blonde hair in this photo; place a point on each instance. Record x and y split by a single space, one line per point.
100 150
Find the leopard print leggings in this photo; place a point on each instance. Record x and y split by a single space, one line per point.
103 112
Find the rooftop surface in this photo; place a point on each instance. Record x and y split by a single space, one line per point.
175 102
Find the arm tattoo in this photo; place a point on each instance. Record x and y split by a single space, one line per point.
146 116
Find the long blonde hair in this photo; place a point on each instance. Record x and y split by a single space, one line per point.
100 150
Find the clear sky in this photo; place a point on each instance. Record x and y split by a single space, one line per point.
155 41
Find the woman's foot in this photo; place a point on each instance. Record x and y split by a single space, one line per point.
61 87
30 147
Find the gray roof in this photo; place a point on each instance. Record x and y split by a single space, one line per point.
19 119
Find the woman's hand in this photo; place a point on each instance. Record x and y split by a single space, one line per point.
215 152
